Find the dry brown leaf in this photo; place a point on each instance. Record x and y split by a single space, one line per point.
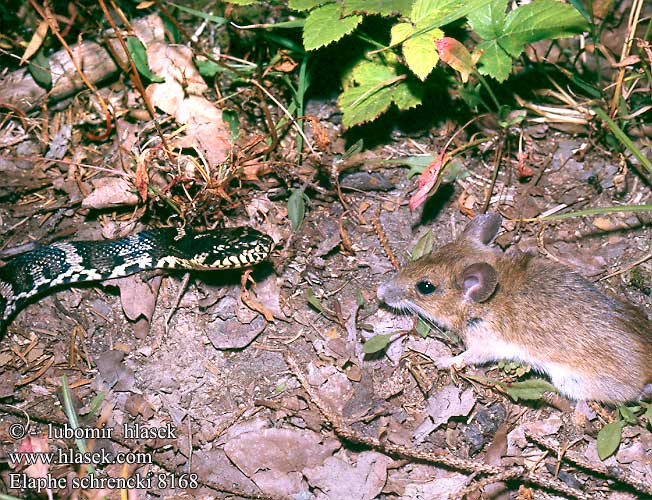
110 192
36 41
181 95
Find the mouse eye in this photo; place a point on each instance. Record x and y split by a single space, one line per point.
424 287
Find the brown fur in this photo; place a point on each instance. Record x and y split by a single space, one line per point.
546 314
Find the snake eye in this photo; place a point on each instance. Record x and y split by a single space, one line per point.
424 287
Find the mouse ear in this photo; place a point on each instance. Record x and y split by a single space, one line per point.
479 281
482 228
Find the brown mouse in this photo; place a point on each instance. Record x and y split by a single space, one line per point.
517 306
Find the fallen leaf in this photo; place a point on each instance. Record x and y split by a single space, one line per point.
35 42
110 192
181 95
336 478
275 458
449 402
428 180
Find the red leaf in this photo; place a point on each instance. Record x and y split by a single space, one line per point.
428 180
456 56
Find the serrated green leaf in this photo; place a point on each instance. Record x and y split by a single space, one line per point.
488 21
494 61
377 343
609 439
138 53
380 84
296 208
400 32
539 20
314 301
528 389
363 104
325 25
420 52
407 95
382 7
529 23
423 246
306 4
435 13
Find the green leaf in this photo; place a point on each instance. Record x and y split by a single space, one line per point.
506 36
528 389
400 32
494 61
314 301
628 414
420 51
609 438
424 245
39 68
382 7
325 25
488 20
139 55
379 85
203 15
233 121
648 413
435 13
422 328
377 343
297 208
305 4
359 299
539 20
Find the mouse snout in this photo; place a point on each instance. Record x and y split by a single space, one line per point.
390 293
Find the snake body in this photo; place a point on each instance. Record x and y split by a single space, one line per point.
35 272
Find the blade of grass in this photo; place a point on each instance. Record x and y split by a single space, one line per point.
592 211
623 138
69 410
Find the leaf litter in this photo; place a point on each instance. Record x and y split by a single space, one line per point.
245 425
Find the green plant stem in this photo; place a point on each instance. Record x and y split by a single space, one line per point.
486 85
624 139
592 211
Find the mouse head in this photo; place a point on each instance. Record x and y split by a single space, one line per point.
447 285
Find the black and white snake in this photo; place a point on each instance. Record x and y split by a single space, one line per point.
35 272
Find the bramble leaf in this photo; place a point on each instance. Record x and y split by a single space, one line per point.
488 20
305 4
379 84
325 25
382 7
507 35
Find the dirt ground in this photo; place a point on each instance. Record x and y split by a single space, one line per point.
290 406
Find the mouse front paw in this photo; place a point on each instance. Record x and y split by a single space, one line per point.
447 362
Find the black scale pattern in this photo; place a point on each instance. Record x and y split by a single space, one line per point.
35 272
